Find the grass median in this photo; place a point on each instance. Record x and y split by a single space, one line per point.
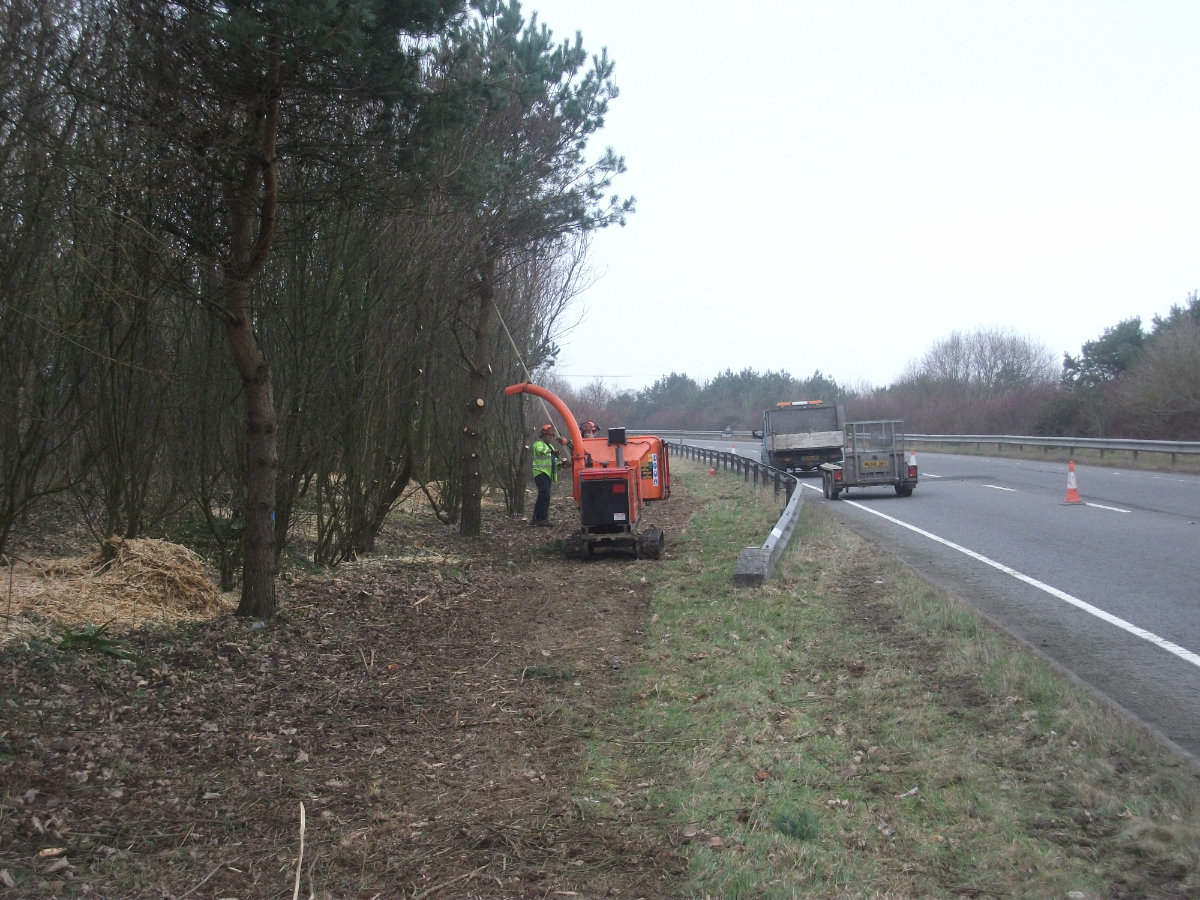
849 730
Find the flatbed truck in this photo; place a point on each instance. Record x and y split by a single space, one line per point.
799 435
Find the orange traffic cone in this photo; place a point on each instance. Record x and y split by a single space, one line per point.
1072 488
712 471
912 463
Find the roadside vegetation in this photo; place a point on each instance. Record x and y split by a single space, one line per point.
265 272
453 717
849 730
268 269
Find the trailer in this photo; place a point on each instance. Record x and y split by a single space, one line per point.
873 457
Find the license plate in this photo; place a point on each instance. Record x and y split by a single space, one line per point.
874 464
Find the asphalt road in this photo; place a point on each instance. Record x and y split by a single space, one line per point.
1108 589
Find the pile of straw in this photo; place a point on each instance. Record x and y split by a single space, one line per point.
154 574
129 583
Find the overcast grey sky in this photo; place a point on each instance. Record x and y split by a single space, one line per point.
838 185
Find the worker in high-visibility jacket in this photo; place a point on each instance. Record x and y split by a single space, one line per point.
545 473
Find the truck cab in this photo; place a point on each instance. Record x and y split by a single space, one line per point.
800 435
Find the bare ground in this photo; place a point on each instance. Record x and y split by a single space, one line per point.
426 707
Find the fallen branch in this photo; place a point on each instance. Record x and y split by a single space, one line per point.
437 887
300 857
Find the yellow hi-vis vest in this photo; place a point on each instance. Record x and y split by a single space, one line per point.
545 460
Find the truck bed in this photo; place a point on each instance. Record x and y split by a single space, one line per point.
777 442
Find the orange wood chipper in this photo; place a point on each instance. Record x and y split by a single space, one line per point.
612 478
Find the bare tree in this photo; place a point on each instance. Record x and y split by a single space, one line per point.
40 345
977 381
224 88
539 286
530 107
984 363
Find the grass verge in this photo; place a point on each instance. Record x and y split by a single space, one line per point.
849 730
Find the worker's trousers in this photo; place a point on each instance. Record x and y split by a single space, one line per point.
541 509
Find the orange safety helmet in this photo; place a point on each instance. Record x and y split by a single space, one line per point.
547 429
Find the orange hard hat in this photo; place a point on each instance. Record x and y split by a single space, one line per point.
547 429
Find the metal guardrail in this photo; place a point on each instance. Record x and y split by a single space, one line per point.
726 460
1103 445
695 435
1070 443
754 564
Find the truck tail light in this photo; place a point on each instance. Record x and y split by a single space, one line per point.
837 474
912 471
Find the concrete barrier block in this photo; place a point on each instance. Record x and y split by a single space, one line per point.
753 567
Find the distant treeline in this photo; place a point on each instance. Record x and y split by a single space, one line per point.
1131 381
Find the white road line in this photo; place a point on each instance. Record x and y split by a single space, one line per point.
1150 637
1109 508
996 487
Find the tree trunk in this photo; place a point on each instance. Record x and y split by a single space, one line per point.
251 203
471 521
262 460
524 463
363 537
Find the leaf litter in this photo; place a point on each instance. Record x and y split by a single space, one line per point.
391 704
